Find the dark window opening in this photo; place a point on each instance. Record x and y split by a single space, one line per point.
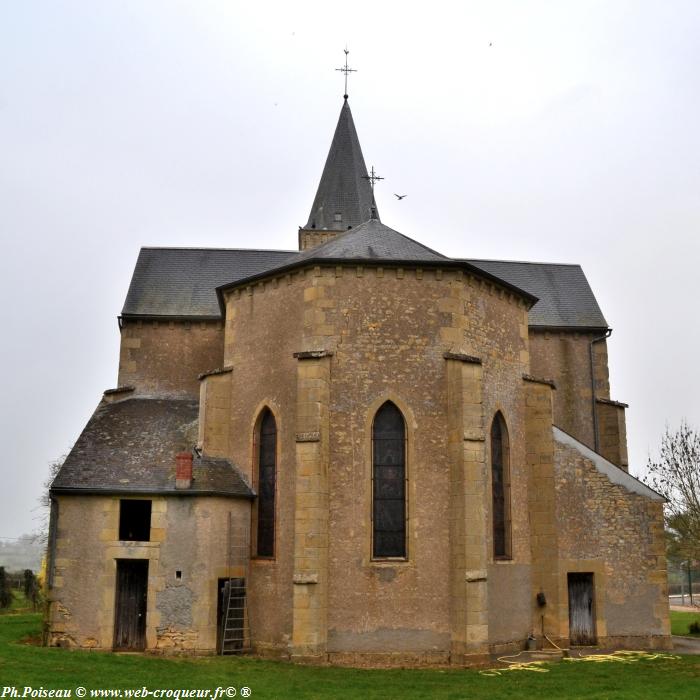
267 477
388 483
500 488
178 575
135 521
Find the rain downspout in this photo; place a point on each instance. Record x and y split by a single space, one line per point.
596 431
51 548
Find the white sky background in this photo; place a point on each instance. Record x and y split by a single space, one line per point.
574 137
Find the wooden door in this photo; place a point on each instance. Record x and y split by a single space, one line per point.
130 604
581 610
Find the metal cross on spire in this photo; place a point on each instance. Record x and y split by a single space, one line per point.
346 70
372 177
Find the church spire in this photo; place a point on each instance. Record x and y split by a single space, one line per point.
344 198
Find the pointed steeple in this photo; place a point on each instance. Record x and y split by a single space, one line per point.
344 198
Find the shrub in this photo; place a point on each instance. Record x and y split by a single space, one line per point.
5 591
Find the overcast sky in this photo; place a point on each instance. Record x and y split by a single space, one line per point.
547 131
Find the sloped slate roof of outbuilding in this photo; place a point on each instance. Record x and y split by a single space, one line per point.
565 297
130 447
182 282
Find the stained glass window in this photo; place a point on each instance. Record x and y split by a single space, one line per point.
389 482
267 476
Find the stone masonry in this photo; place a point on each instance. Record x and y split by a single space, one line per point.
323 339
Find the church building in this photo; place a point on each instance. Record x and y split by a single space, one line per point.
361 452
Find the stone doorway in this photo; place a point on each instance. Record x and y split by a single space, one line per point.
130 605
581 610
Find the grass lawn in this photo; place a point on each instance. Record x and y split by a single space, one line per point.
23 664
19 604
681 620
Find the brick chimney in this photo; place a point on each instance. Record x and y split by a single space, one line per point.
183 470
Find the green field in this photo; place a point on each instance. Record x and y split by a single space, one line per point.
22 663
681 620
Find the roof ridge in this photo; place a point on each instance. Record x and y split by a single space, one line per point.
147 397
520 262
422 245
238 250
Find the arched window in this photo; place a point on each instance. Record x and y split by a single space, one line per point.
388 483
267 477
500 488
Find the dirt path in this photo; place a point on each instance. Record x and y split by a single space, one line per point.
687 645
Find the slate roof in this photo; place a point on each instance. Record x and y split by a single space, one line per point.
187 282
565 297
343 188
372 243
371 240
130 446
182 281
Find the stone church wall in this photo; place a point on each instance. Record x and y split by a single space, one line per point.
356 316
188 534
510 604
214 413
564 357
410 602
164 358
612 429
264 326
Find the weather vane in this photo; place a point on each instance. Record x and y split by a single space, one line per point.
372 177
346 70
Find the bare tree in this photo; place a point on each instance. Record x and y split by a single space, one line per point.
41 534
676 476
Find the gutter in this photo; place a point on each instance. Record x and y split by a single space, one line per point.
51 548
125 491
375 262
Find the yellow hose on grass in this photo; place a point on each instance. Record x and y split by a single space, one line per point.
624 657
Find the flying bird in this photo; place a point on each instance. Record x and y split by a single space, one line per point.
400 196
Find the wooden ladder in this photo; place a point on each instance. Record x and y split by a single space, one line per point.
235 625
235 635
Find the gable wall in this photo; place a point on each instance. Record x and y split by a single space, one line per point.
164 358
563 356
